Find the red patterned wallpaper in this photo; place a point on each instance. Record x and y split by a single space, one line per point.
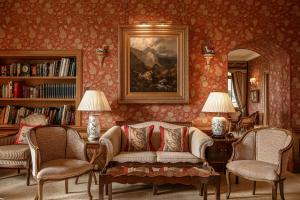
88 24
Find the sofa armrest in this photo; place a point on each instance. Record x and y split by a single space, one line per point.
199 141
8 140
111 140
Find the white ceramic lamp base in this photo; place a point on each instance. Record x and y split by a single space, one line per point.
218 126
93 128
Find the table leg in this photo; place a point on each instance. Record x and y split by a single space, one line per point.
109 191
101 191
217 183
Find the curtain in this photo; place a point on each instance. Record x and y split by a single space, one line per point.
239 80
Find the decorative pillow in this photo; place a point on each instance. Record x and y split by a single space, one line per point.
138 139
21 136
173 140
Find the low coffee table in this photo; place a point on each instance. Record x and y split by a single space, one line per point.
196 176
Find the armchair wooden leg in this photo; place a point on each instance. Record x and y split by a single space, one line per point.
89 185
40 189
66 186
95 178
28 176
274 190
281 189
19 170
228 184
76 180
109 191
254 187
106 189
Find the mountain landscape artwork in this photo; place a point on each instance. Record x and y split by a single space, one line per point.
153 64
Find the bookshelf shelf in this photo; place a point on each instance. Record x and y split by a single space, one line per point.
51 73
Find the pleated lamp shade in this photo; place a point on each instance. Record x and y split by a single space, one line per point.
94 100
218 102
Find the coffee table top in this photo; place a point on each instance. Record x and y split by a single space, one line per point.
161 171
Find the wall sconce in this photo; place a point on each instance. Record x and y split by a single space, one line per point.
102 53
253 81
208 54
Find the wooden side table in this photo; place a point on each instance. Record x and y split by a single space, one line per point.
219 154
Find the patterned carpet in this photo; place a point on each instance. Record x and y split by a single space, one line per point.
12 187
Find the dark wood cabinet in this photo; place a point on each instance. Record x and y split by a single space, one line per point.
218 154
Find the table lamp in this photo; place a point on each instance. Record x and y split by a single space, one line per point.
94 101
218 102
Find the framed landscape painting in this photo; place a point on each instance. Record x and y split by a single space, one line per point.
153 64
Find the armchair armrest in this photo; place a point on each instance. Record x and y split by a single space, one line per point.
35 154
198 142
7 140
111 141
284 157
244 148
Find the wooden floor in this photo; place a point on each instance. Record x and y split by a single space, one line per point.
13 187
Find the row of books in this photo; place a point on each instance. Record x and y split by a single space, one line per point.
62 67
57 116
16 89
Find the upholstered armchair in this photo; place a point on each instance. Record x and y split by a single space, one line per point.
57 154
261 155
17 156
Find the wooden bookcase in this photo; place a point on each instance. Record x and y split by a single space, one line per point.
8 57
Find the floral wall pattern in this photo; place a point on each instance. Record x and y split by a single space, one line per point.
88 24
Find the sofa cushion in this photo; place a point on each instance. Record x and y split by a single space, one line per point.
14 152
63 168
174 140
253 169
176 157
141 157
138 139
155 139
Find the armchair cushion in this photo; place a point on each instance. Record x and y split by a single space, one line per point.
14 152
63 168
252 169
174 140
175 157
23 131
141 157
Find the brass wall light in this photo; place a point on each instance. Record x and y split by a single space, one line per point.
208 54
102 53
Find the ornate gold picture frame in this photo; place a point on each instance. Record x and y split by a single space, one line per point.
153 64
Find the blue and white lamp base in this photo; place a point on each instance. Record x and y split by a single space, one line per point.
218 126
93 127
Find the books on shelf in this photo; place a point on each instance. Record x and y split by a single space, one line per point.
17 89
57 116
63 67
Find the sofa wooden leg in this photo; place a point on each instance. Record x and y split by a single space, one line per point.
66 186
40 189
109 191
201 189
254 187
228 184
19 170
274 190
154 189
281 189
89 185
106 189
205 191
237 180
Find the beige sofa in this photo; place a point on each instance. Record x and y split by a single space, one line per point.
114 139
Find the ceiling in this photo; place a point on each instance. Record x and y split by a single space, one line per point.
242 55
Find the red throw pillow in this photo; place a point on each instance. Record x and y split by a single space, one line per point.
21 136
174 140
138 139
